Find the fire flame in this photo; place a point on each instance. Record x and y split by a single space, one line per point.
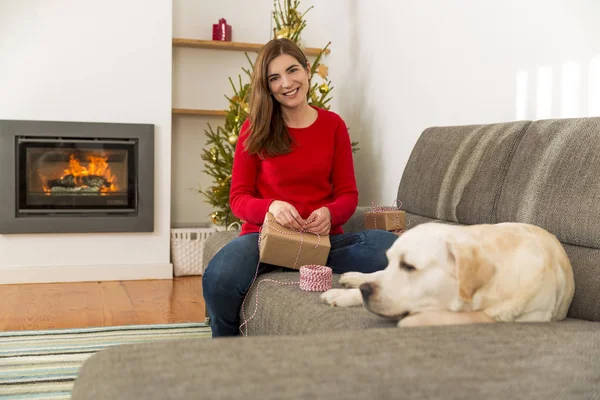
97 166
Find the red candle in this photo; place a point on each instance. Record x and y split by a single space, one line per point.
222 31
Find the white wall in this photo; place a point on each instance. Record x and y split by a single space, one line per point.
108 61
200 78
419 64
398 67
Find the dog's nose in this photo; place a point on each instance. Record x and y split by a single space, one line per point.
366 289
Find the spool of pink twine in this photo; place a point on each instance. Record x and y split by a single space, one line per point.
315 278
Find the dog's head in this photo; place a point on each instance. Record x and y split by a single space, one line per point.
430 267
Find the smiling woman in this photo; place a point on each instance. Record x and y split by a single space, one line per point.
294 161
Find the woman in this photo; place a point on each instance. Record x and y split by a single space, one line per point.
292 160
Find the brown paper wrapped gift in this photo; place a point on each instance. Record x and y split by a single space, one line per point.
280 245
387 220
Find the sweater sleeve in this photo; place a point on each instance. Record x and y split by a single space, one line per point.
242 196
343 180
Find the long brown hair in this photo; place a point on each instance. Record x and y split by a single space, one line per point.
269 135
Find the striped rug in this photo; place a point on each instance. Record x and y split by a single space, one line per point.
44 364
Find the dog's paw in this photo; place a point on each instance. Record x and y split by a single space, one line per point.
503 313
353 279
342 297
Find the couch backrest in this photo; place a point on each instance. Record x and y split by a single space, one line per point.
546 173
553 180
455 173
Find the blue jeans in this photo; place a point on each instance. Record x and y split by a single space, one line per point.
230 272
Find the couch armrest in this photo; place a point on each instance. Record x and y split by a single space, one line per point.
214 243
356 223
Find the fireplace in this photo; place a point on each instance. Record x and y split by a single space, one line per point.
71 177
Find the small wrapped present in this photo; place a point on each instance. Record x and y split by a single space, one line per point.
387 220
289 248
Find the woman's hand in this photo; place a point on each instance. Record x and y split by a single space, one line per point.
286 214
320 221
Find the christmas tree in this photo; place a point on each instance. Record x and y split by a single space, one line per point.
218 154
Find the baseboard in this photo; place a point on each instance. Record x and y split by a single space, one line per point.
86 273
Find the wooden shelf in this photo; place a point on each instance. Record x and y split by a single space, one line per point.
210 113
236 46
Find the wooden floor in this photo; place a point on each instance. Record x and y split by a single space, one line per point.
90 304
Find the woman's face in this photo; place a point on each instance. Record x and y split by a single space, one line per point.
288 81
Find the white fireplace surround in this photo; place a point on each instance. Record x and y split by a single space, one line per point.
90 62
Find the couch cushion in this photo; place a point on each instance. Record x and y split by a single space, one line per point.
586 271
553 180
491 361
287 310
356 223
455 173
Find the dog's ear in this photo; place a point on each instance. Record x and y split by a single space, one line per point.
471 268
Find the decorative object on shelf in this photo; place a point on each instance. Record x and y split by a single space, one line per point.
222 31
288 22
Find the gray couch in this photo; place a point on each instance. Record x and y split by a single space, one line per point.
543 172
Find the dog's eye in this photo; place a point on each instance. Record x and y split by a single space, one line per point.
407 267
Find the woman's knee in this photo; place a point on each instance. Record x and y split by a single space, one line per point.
233 266
379 238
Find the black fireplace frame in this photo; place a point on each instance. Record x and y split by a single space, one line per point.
78 222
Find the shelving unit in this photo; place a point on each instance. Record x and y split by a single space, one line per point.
235 46
220 45
210 113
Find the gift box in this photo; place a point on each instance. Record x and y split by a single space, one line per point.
387 220
281 246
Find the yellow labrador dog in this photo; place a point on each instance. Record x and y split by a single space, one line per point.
442 274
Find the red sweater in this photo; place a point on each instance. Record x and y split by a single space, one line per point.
318 172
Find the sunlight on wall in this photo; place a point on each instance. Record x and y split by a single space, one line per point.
569 90
594 87
573 87
544 93
521 101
